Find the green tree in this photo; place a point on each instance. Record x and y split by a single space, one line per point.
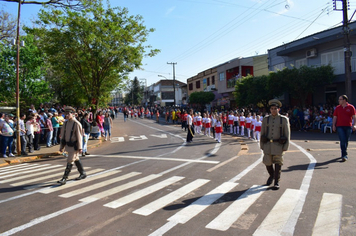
202 98
97 47
7 27
305 80
134 96
33 87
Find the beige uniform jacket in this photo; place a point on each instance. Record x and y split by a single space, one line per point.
274 124
77 136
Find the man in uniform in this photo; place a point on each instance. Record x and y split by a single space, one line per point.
72 142
275 136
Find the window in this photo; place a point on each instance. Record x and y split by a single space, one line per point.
197 84
278 67
208 81
335 59
213 79
191 86
301 62
222 76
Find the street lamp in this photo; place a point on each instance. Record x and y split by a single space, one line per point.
18 82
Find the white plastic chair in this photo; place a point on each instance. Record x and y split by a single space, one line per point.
328 127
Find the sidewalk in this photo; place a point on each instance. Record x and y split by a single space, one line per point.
45 152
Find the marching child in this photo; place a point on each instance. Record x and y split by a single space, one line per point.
242 123
207 126
218 129
253 121
231 121
199 123
248 124
236 124
224 120
213 122
258 126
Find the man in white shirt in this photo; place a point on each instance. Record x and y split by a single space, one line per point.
190 133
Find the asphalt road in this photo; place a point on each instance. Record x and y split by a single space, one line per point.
148 181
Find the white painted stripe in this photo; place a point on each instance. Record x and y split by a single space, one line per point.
164 229
43 167
42 173
42 219
120 188
274 222
70 184
23 168
6 168
173 196
293 219
248 169
99 185
159 158
143 192
224 221
37 186
202 203
329 216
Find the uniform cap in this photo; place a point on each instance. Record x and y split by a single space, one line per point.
274 102
69 109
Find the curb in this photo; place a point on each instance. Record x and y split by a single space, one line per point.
20 160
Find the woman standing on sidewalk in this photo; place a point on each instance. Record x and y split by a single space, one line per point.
7 133
107 126
86 133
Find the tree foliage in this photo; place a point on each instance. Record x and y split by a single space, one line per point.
33 87
202 98
298 83
7 27
74 4
93 49
134 96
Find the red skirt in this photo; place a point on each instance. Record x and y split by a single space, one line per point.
207 125
231 122
242 123
248 125
252 126
258 128
218 129
198 123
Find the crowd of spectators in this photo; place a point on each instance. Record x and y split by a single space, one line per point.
42 126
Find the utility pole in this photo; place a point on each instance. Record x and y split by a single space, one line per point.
174 82
347 52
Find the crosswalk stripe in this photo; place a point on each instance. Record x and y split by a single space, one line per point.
14 179
163 201
329 215
143 192
120 188
70 184
20 169
59 172
224 221
42 167
6 168
202 203
279 215
99 185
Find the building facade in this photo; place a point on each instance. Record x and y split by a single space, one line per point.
322 48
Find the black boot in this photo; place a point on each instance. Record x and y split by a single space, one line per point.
277 175
271 174
66 174
81 170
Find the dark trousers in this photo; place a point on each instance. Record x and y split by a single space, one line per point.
23 143
184 125
344 133
36 141
225 127
30 142
55 135
213 130
190 134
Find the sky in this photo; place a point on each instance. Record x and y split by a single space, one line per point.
200 34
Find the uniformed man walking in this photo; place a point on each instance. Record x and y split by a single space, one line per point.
72 142
275 136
